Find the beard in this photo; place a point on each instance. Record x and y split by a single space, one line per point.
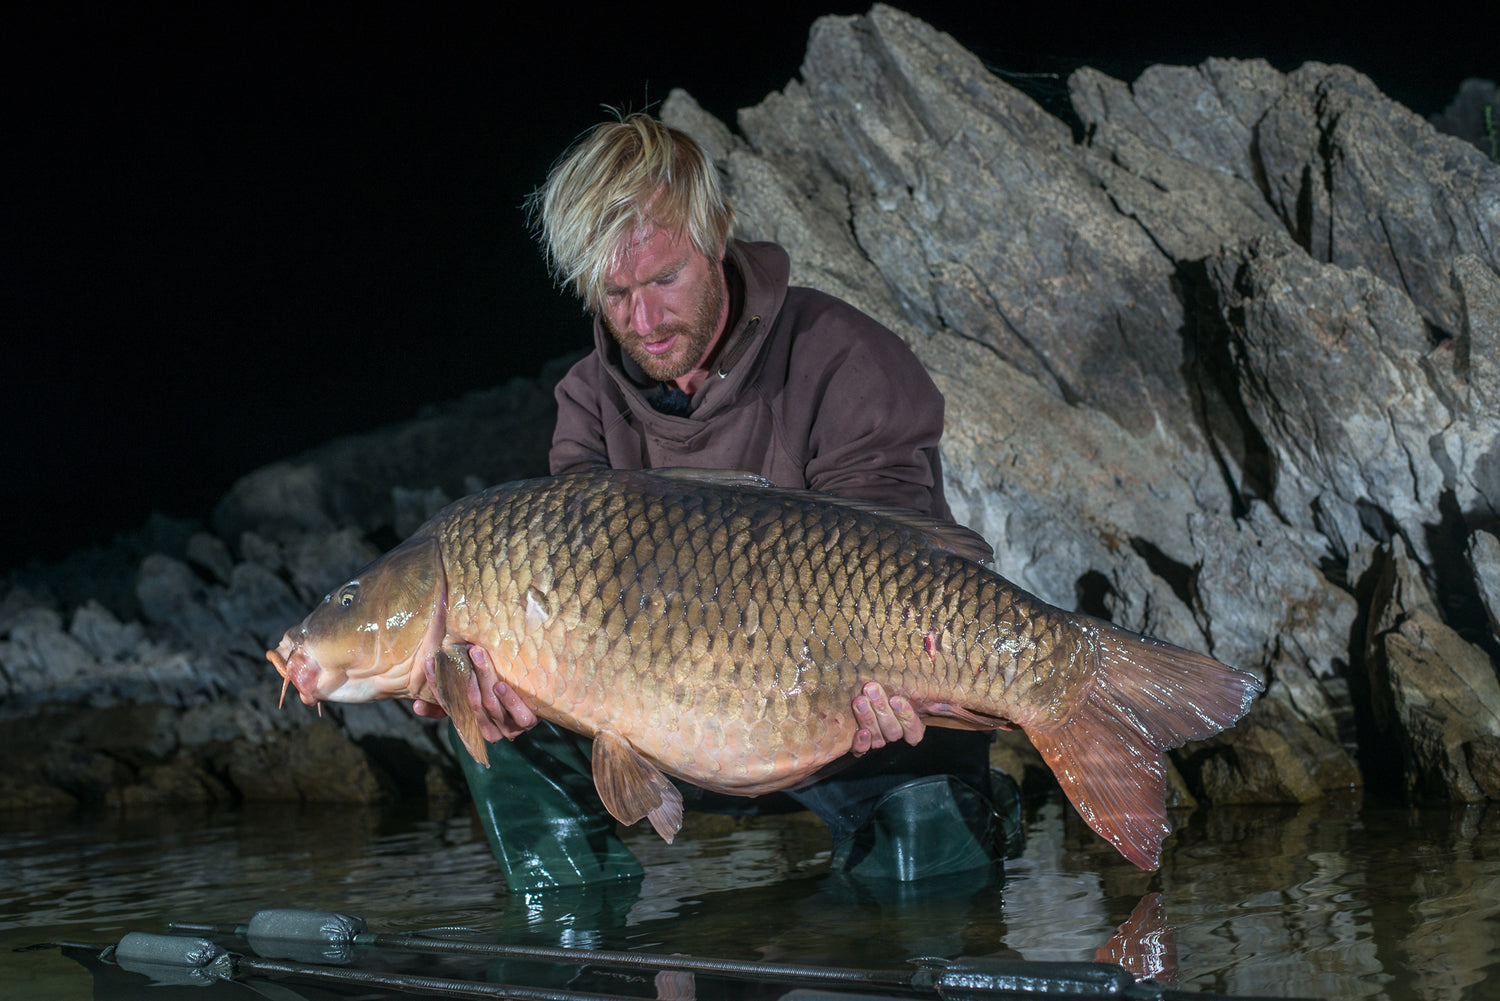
693 337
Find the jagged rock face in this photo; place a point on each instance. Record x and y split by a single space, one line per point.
1220 361
1205 366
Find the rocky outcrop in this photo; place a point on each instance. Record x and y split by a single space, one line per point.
1220 357
137 676
1210 362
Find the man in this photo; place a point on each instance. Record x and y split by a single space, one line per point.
705 357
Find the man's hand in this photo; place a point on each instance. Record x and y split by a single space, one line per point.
883 721
502 713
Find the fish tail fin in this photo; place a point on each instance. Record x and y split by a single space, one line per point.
1147 696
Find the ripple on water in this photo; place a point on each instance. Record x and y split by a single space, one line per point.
1325 900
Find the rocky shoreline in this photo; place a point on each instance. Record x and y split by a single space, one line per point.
1221 361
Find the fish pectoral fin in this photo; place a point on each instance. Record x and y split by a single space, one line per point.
453 678
952 717
632 787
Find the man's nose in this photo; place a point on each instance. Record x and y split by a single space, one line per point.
645 312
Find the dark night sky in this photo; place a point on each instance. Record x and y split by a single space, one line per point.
236 230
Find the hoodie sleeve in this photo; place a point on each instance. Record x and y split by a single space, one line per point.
877 417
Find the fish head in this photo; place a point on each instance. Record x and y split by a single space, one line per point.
367 639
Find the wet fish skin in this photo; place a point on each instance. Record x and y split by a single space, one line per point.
710 626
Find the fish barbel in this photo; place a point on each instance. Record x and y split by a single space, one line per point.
708 625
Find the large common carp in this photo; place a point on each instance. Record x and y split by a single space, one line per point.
711 626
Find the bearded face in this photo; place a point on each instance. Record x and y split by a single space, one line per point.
663 302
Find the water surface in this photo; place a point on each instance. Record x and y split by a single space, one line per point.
1325 901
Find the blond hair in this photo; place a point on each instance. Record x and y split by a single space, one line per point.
618 179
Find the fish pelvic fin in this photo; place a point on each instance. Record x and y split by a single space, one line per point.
955 717
632 787
453 678
1147 696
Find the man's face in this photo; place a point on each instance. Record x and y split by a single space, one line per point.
663 300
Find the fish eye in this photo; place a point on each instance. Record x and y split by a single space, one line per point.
347 593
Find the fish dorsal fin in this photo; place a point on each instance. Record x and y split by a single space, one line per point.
712 477
632 787
935 532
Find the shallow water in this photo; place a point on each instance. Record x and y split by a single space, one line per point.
1325 901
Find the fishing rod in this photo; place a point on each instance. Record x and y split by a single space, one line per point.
299 934
325 935
302 944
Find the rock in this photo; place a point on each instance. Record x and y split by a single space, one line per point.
91 778
144 730
28 790
179 782
318 563
244 718
212 555
1465 116
1434 694
39 662
486 437
903 176
1482 755
1272 756
172 595
1360 181
260 605
103 635
413 507
1349 456
1484 561
1175 150
313 763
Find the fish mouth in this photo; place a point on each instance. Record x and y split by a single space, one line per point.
298 669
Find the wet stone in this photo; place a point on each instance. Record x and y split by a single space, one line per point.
1483 754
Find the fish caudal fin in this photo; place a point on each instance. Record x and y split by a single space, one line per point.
632 787
1147 696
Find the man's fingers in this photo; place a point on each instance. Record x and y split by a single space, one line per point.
520 713
912 727
867 726
885 718
429 710
485 681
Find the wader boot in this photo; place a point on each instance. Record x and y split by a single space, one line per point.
541 814
932 826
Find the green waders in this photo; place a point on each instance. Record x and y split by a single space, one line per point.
541 814
898 814
932 827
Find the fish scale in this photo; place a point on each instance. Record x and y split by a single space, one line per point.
710 626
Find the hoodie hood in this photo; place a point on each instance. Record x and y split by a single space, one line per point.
757 276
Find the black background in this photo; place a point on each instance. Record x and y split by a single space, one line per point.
235 231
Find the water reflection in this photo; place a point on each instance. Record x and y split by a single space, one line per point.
1326 901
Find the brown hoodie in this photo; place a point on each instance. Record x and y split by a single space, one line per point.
808 392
